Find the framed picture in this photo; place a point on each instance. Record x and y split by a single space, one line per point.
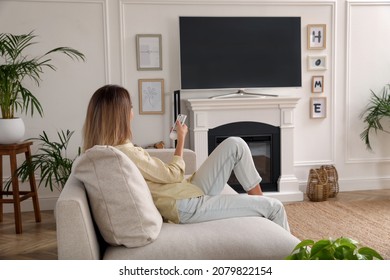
317 84
316 63
149 54
151 96
316 36
318 107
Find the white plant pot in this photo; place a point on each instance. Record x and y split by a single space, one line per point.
11 130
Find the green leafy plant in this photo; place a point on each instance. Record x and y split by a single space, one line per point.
15 67
51 161
328 249
377 109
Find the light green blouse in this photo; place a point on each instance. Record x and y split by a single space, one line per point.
165 180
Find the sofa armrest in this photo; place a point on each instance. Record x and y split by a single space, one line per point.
166 155
76 236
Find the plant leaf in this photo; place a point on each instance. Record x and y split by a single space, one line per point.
16 67
377 109
370 253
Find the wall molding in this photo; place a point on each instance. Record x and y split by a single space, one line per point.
104 5
348 95
228 2
310 163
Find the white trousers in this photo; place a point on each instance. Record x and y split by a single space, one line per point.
233 154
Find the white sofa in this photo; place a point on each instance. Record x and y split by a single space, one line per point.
78 236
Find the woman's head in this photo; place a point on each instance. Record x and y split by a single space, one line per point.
108 117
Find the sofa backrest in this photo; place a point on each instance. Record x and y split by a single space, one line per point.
166 155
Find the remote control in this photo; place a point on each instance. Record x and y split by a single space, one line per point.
180 118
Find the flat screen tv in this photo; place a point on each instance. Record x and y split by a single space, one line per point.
240 52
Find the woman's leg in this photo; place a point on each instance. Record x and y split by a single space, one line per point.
208 208
232 154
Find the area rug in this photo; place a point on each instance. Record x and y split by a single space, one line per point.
367 222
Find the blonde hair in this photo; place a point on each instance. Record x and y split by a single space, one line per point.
107 121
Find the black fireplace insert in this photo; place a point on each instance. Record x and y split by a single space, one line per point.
263 141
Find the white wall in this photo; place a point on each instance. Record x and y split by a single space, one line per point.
358 60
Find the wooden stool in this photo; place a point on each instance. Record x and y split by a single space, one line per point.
12 150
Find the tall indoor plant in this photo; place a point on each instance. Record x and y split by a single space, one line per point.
15 67
377 109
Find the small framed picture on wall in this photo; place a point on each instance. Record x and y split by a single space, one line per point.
316 63
316 36
151 96
317 84
149 52
318 107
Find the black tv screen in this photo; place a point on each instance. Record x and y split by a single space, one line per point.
240 52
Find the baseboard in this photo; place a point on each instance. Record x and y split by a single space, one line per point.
362 184
45 203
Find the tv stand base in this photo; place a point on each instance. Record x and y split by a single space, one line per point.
241 93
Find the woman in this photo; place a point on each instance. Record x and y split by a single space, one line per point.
180 200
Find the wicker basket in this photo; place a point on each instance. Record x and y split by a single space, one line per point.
333 179
322 183
317 185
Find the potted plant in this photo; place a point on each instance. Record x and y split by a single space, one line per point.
14 69
328 249
377 109
51 160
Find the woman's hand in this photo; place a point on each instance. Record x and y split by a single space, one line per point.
181 130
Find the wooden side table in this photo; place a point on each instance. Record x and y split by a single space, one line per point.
12 150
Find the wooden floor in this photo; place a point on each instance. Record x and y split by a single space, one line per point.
38 240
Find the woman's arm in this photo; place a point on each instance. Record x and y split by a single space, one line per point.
155 170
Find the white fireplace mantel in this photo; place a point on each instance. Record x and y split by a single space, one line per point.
205 114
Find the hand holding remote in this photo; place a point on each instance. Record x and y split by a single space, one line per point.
180 118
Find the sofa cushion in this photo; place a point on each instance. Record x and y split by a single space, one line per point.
121 203
242 238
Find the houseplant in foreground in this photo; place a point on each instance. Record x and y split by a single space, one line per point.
328 249
14 69
377 109
51 160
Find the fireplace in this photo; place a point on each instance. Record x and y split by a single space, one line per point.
205 115
263 141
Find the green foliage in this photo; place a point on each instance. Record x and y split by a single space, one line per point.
51 161
377 109
16 67
328 249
